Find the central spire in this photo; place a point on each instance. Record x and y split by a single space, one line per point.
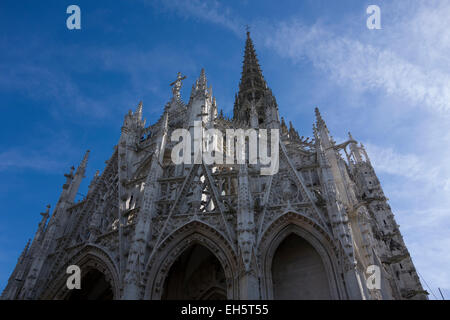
254 96
252 79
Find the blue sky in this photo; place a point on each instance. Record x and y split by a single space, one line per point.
65 91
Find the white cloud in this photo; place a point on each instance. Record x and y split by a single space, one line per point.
45 151
209 11
386 66
386 160
362 65
14 159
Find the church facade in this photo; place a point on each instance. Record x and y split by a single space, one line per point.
320 228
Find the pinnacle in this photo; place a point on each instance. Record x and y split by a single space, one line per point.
202 81
83 163
139 108
320 121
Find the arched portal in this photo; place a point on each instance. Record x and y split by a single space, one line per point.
298 272
94 286
196 275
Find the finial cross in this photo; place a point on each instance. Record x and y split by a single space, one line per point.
177 85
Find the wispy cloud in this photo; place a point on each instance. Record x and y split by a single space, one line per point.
362 65
411 166
20 159
209 11
65 77
46 152
410 74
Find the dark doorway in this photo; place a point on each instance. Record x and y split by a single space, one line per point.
195 275
93 287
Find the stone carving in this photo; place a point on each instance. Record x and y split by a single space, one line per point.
176 85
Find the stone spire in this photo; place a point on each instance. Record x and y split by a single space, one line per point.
82 167
319 120
202 82
252 86
81 170
252 79
138 112
201 86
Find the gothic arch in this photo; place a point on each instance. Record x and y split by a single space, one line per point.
303 227
177 243
90 257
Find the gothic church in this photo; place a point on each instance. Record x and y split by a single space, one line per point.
150 229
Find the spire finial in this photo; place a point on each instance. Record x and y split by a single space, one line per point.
319 120
139 108
202 79
201 84
85 159
82 167
350 136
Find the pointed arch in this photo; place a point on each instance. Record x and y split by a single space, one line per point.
292 223
196 274
195 232
90 257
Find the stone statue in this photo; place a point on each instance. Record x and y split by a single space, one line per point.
176 85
